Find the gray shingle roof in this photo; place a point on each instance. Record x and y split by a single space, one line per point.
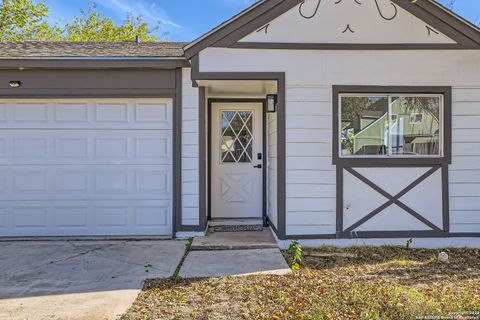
39 49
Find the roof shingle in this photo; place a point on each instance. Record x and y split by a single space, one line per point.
62 49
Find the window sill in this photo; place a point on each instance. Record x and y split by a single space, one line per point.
391 161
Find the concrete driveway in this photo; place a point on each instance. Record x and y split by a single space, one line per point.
79 279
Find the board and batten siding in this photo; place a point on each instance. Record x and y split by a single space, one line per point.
190 151
310 75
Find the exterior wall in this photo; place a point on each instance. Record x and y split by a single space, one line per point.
465 169
272 168
190 151
310 75
310 173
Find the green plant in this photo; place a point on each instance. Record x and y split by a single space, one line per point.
188 245
176 278
409 243
147 266
27 20
295 254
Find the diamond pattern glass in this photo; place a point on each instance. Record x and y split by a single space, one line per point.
236 137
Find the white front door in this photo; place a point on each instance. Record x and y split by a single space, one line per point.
237 153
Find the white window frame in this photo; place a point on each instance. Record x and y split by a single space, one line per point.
389 96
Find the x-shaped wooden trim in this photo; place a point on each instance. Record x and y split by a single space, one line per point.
392 199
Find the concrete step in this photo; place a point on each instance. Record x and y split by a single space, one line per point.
235 241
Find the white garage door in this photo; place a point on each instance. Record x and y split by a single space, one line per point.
85 167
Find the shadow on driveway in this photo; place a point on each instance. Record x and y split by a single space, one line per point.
79 279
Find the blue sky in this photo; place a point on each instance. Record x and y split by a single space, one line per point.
185 20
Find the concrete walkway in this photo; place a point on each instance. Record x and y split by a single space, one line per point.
234 254
235 241
79 279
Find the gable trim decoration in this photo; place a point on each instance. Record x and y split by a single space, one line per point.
258 17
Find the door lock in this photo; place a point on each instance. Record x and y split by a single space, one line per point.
259 166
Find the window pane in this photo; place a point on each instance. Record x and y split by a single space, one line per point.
364 125
416 130
236 136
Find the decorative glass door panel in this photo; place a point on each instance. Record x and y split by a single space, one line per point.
237 137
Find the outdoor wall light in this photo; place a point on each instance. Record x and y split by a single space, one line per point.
272 100
15 84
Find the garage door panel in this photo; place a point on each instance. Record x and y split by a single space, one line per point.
85 167
87 114
85 147
63 218
132 182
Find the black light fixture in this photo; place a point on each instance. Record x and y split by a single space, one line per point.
15 84
272 100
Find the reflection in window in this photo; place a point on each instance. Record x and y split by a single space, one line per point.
417 131
364 125
236 137
390 125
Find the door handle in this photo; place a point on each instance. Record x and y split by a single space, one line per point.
259 166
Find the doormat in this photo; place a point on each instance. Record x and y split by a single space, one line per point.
238 228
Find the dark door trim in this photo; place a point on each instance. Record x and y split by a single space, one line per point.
264 151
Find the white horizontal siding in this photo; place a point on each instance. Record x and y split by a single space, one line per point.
464 173
310 75
316 68
305 204
310 229
190 151
272 168
322 135
310 186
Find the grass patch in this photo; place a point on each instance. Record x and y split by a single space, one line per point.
358 283
176 278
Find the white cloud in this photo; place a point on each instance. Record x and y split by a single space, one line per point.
150 11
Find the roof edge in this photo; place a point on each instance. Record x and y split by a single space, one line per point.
94 63
207 34
430 11
273 7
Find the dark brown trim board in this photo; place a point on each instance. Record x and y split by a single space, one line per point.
446 198
209 158
43 83
203 156
265 164
177 154
466 35
347 46
94 63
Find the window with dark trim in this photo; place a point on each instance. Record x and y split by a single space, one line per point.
392 124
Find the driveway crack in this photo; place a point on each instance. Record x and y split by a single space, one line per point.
64 259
